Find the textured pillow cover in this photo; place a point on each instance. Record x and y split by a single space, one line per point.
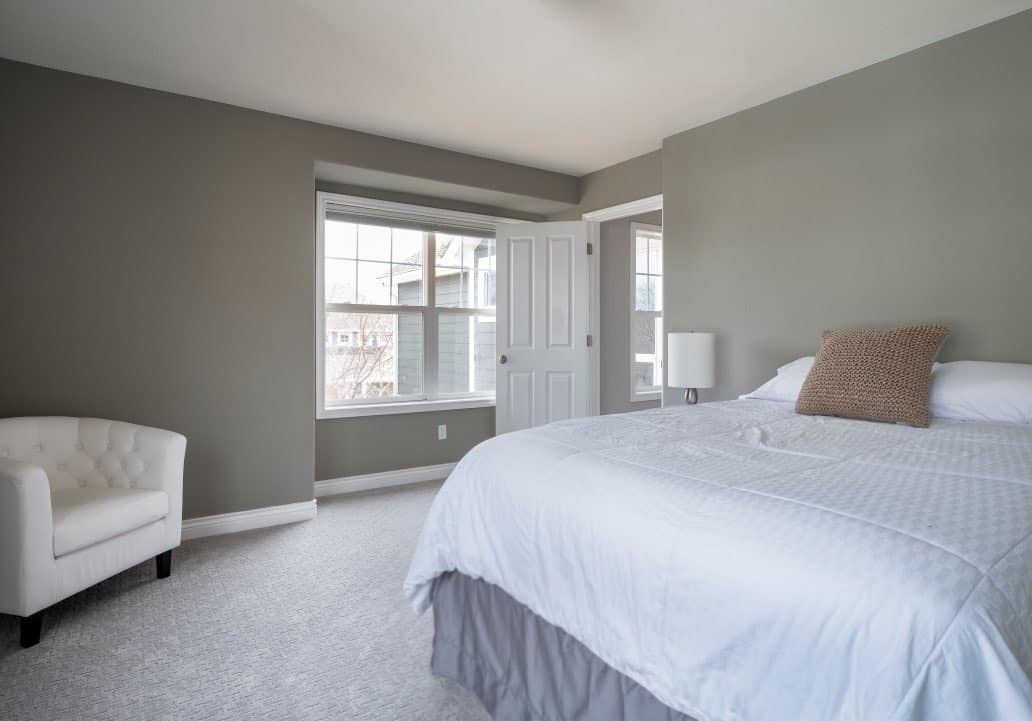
875 375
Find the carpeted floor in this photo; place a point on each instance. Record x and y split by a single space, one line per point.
296 622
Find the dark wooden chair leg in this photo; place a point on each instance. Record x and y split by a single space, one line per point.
31 628
164 562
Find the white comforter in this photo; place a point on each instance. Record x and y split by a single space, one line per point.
744 563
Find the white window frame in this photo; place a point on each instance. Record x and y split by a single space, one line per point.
657 393
430 399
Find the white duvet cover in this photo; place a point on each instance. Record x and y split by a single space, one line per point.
744 563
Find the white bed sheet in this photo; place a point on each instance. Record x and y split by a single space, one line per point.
744 563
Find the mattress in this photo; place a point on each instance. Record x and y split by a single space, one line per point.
744 563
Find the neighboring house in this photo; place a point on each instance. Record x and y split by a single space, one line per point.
359 355
462 366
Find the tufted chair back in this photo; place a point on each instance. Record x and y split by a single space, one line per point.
85 452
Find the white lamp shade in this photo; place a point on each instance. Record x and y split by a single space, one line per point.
690 360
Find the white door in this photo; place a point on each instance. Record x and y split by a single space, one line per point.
544 368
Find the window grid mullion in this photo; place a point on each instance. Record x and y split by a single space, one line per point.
430 316
356 265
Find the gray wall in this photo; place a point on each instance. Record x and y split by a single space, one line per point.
353 446
633 179
615 260
899 193
158 267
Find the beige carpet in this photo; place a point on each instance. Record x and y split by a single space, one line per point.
297 622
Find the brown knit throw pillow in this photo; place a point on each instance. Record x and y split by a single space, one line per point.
876 375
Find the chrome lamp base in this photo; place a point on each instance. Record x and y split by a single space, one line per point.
691 396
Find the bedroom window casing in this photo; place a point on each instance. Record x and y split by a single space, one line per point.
405 307
646 325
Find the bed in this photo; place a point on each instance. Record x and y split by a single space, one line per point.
735 561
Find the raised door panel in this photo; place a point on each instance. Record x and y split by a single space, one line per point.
559 300
559 395
521 400
521 293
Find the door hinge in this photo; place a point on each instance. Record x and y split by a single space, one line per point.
591 340
591 248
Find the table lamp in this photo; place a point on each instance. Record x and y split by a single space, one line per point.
690 363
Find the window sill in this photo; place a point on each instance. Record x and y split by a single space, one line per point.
649 396
386 409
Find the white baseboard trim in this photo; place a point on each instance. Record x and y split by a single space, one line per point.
248 520
386 479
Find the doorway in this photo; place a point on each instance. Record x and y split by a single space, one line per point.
630 310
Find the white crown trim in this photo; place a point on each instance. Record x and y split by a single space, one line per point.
626 210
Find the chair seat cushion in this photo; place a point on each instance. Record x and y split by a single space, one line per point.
84 516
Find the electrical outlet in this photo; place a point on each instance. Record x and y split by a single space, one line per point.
442 432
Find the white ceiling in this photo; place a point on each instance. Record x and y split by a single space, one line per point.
568 85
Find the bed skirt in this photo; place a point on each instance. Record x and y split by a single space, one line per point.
523 668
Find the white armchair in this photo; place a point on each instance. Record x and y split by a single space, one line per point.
80 500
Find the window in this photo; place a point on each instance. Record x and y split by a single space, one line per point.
406 308
646 311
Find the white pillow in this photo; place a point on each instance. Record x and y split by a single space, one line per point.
982 391
785 386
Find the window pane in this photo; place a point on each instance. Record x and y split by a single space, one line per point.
407 246
648 292
406 284
656 256
641 253
449 250
646 336
642 376
643 339
374 242
642 293
465 353
340 239
656 291
484 272
465 272
374 282
373 356
340 281
450 276
451 286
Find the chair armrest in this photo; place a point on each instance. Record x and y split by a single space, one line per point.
26 535
164 452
